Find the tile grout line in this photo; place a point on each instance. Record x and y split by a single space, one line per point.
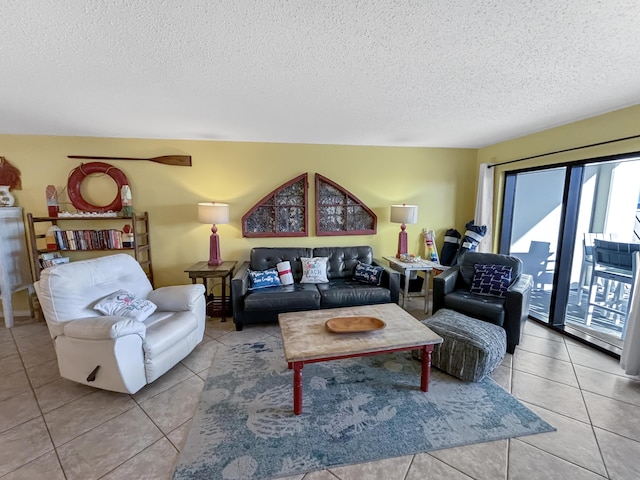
595 437
44 421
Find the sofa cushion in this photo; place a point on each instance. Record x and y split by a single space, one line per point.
300 296
346 293
487 308
264 278
343 260
314 270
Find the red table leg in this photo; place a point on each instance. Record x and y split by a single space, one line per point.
297 387
426 367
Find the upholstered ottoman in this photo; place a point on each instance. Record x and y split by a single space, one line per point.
471 349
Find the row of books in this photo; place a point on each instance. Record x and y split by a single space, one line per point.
51 259
93 239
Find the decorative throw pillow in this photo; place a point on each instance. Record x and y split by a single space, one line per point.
369 274
264 278
314 270
125 304
492 280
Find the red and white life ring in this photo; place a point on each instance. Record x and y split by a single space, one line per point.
78 174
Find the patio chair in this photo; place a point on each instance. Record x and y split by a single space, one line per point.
587 258
612 262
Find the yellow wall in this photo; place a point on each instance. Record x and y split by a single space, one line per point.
442 182
618 124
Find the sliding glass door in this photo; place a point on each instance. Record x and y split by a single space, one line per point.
553 219
532 228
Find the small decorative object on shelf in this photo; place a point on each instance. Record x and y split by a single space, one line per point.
52 201
127 237
125 196
9 180
52 259
410 258
108 214
50 237
430 249
6 199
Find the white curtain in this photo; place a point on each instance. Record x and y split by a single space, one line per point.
484 206
630 358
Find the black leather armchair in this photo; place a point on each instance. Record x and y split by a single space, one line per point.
451 290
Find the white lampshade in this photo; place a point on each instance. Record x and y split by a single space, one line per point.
404 214
213 213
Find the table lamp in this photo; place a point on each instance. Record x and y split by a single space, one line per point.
403 214
216 214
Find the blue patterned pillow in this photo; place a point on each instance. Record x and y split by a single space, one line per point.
491 280
264 278
366 273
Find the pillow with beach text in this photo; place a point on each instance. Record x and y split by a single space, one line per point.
125 304
314 270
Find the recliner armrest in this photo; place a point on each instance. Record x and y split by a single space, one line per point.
239 288
390 279
240 280
517 303
176 298
444 284
519 295
104 328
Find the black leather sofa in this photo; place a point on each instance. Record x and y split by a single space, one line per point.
451 290
264 305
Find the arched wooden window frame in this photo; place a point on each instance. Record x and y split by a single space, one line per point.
275 207
347 210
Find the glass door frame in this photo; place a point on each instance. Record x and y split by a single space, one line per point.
566 240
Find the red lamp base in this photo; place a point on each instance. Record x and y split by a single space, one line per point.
402 241
214 248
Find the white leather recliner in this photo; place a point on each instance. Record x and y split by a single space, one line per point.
117 353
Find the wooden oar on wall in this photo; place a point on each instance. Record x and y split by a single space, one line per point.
180 160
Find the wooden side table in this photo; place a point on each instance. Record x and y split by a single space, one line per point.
406 268
205 271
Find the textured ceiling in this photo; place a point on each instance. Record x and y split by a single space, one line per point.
440 73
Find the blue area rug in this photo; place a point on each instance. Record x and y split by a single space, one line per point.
355 410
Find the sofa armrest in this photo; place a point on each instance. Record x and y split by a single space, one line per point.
239 288
517 308
103 328
444 284
176 298
390 279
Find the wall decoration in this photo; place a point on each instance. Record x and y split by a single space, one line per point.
180 160
6 199
78 174
282 213
338 212
9 180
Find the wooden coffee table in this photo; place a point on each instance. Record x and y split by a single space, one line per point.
306 339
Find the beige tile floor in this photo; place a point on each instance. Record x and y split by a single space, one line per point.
51 428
